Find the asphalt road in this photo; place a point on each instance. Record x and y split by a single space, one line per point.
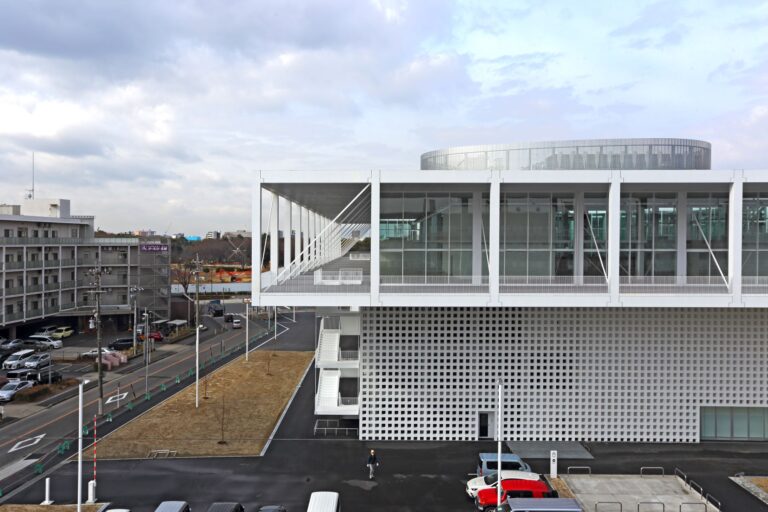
44 430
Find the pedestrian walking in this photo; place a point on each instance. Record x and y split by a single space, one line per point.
373 462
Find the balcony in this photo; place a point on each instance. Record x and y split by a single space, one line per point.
523 285
16 290
34 264
68 284
68 241
12 317
32 288
673 285
754 285
335 349
14 265
340 276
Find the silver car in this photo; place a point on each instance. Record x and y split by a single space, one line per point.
38 361
8 391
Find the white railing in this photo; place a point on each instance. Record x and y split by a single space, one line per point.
306 284
666 285
434 284
348 400
348 276
523 285
754 285
360 256
348 355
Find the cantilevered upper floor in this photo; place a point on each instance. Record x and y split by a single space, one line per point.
602 238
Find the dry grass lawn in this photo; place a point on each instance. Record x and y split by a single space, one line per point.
48 508
249 400
761 482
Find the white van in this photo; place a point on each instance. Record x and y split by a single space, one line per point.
17 359
46 330
324 502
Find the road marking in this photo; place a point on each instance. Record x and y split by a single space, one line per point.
116 398
32 441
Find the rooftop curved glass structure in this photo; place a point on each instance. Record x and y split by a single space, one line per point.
592 154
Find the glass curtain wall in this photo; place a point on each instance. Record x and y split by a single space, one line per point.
707 222
754 263
648 234
595 234
425 237
537 235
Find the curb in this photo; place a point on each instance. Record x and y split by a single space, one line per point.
747 485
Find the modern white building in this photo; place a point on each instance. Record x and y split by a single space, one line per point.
46 255
617 287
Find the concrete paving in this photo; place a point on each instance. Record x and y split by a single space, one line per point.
540 449
604 493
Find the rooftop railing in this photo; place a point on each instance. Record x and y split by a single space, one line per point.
309 284
754 285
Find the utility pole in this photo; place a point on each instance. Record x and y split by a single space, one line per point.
247 322
147 341
135 295
197 330
97 272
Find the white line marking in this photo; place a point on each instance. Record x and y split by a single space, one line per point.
116 398
32 441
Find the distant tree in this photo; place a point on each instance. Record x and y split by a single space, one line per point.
182 275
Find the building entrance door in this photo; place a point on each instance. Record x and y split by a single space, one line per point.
485 425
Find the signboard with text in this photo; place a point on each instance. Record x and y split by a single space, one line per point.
153 247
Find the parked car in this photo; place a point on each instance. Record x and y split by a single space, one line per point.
548 505
154 335
8 391
486 463
17 375
202 327
237 324
490 480
47 341
62 332
323 502
38 361
47 330
11 345
124 344
45 376
226 507
485 501
173 506
273 508
95 351
17 359
229 317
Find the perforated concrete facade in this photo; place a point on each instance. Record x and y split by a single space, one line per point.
598 374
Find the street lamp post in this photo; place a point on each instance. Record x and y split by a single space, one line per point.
197 330
80 448
498 450
134 290
97 272
247 321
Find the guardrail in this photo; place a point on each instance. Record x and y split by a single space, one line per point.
601 503
687 505
699 489
643 469
332 427
672 285
580 468
653 504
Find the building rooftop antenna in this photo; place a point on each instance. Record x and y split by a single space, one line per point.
31 191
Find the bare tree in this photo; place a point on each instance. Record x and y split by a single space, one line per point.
182 275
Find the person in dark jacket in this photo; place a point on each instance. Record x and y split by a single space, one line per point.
373 462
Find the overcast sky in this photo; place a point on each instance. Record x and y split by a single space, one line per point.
154 114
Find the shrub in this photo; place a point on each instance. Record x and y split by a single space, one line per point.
33 393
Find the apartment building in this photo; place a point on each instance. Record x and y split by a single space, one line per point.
617 288
47 262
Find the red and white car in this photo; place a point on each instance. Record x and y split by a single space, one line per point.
490 480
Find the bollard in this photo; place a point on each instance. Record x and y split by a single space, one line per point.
178 379
162 387
91 492
48 500
109 417
38 469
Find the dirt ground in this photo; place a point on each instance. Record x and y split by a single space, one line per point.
561 487
248 399
760 481
48 508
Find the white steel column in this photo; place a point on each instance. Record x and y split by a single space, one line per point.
735 208
477 238
311 232
578 237
302 234
614 236
287 239
682 238
493 236
273 236
255 240
375 206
